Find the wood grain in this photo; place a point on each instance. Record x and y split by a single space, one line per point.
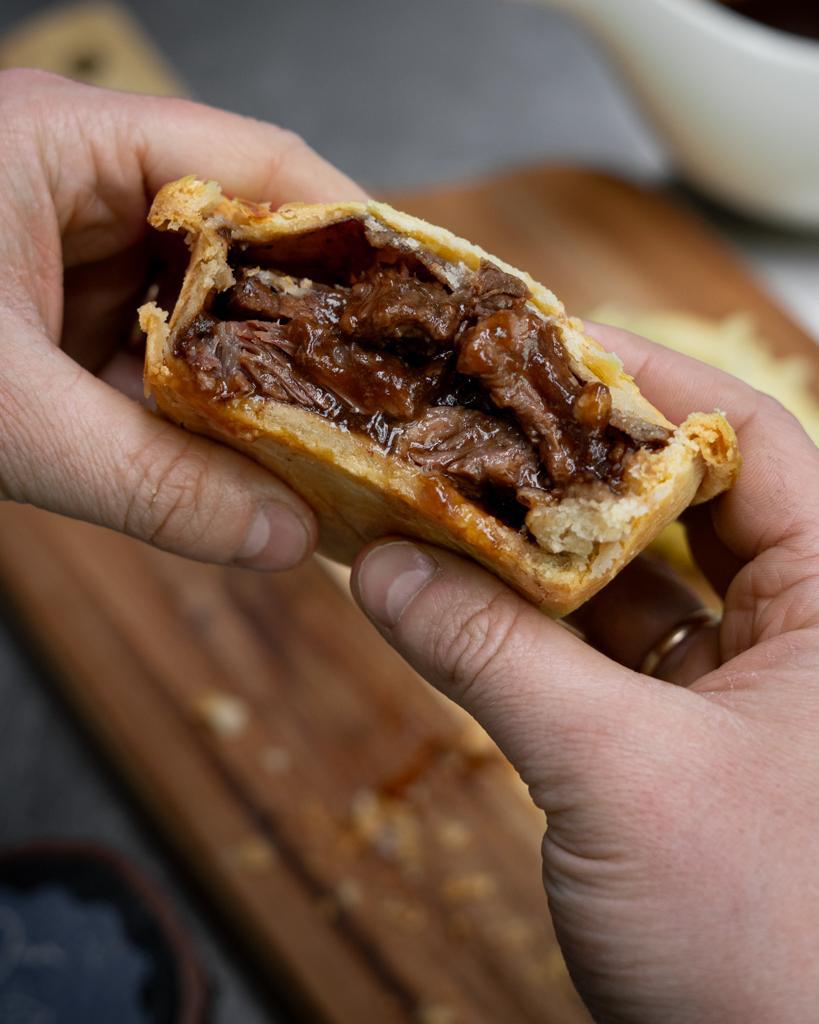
342 816
368 847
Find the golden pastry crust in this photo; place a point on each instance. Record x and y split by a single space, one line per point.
358 492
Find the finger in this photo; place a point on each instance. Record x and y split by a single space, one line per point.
776 497
249 158
74 445
105 151
718 564
99 304
124 372
558 708
640 608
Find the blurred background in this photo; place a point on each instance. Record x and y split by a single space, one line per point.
404 98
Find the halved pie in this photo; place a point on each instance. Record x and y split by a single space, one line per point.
404 381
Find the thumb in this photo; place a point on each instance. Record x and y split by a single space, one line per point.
74 445
569 719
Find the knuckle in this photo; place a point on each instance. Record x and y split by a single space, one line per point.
766 409
290 143
167 492
288 147
770 408
471 651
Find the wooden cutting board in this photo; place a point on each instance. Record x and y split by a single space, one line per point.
369 849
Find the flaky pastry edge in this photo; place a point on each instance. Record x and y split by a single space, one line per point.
359 493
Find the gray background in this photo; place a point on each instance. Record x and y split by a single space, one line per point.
397 94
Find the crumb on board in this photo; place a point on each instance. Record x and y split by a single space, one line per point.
453 834
471 887
387 825
224 714
349 894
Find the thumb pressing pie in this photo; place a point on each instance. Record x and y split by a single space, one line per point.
405 382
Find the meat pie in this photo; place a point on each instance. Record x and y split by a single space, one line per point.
404 381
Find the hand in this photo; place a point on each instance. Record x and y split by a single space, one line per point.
681 860
78 168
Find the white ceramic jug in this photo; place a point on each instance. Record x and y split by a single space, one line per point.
736 102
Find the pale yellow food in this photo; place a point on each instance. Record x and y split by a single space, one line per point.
358 492
733 344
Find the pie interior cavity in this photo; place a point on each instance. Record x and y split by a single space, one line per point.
404 381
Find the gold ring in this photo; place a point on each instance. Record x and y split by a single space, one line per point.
674 637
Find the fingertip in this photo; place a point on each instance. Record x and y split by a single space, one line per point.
279 537
388 576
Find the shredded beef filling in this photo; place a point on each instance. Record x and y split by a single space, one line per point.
468 382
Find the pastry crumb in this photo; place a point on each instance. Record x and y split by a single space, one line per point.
454 835
388 826
349 894
469 888
225 715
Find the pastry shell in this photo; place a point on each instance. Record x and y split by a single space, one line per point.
358 492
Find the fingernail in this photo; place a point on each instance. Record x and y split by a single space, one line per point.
390 577
277 539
